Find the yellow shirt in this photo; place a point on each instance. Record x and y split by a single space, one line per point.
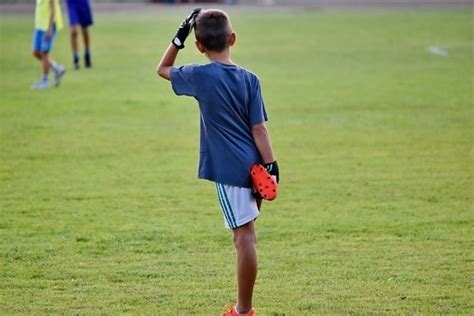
42 13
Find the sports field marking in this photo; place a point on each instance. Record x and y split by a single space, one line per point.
437 50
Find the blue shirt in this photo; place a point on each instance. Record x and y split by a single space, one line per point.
230 102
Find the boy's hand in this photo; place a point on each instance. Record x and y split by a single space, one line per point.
185 29
272 169
258 183
47 35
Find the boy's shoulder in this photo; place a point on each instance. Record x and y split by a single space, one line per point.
217 67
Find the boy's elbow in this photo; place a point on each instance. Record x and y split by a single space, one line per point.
163 72
159 70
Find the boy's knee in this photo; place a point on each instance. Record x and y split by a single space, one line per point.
245 238
37 54
74 32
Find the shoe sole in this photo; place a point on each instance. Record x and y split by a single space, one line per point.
263 182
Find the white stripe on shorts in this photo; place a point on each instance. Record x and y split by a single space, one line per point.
238 205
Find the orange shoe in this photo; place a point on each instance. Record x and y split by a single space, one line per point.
231 311
263 183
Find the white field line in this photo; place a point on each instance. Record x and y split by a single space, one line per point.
437 50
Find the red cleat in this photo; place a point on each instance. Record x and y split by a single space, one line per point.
232 312
263 182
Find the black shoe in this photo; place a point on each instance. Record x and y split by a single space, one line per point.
87 61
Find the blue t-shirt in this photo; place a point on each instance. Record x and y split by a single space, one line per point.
230 101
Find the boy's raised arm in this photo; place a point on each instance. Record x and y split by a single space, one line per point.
167 61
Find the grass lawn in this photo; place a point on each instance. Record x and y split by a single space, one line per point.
101 211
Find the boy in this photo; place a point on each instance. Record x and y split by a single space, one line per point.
233 133
80 15
48 20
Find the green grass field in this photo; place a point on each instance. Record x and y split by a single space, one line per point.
101 211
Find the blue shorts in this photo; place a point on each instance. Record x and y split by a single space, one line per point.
40 43
79 12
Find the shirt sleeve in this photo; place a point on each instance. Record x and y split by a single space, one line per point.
257 111
182 80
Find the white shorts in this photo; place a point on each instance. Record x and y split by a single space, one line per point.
238 205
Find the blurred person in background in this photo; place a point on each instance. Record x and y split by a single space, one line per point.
80 16
48 20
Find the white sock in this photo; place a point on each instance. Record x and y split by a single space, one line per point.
55 66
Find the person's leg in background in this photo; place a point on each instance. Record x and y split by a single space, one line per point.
74 45
86 38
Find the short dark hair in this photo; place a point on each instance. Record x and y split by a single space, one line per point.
213 29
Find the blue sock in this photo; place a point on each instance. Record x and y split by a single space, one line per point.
86 52
44 78
76 57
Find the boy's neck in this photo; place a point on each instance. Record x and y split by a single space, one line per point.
222 57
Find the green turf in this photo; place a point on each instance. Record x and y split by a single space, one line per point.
101 212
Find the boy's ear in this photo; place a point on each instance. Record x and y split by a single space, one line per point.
200 48
232 39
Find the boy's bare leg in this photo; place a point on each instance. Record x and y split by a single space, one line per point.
86 38
245 244
74 33
46 63
75 45
37 54
45 66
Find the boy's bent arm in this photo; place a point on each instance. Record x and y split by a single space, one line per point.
167 61
163 69
263 143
